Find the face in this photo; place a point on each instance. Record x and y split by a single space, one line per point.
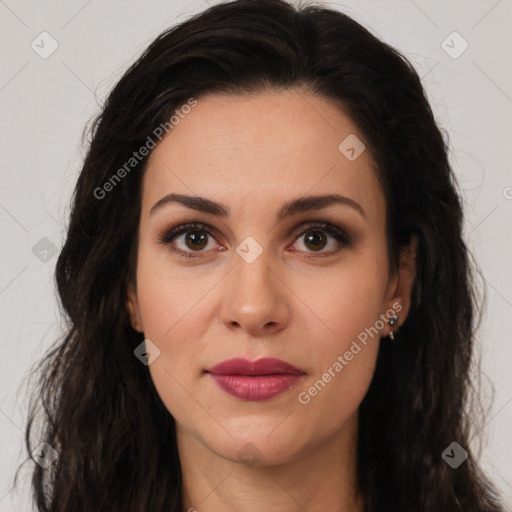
255 278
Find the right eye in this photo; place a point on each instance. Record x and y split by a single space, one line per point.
194 237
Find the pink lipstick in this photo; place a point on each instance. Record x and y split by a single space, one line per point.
255 380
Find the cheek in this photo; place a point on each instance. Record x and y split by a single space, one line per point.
343 368
349 304
170 313
174 306
170 297
347 300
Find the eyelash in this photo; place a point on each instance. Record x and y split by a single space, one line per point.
338 234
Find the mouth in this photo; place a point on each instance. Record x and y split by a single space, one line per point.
255 380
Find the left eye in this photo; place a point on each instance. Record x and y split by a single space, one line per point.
195 237
314 237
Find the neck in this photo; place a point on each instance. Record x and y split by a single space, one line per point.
321 479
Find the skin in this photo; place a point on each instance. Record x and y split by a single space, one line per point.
252 153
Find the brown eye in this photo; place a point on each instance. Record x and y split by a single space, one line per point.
196 240
188 240
318 235
315 240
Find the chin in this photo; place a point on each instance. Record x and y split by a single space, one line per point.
259 447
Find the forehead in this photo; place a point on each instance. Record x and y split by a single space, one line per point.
264 147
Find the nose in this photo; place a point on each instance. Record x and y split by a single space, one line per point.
255 297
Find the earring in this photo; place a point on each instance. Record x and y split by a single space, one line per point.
392 321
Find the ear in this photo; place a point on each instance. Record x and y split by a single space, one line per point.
400 291
132 305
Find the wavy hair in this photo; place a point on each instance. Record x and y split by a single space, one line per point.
99 408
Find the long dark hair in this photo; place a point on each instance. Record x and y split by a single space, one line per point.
100 411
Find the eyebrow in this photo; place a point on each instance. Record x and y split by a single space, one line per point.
293 207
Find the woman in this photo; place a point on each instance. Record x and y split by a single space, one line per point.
270 301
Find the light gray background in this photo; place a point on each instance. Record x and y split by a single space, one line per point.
45 104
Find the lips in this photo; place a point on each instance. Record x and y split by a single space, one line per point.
255 380
265 366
